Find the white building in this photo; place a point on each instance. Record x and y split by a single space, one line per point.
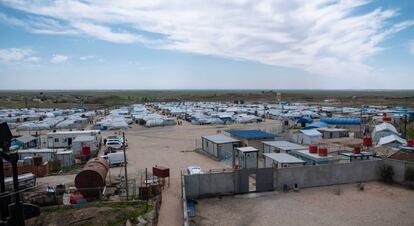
64 139
391 141
308 136
280 146
383 130
247 157
220 146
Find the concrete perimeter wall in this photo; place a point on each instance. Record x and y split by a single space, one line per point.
211 184
328 174
237 181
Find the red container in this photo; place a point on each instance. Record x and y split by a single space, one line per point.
313 149
161 171
286 122
410 142
386 119
367 141
357 150
86 150
323 151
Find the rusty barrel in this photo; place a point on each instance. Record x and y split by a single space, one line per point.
91 180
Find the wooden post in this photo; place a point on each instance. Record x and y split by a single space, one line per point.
125 166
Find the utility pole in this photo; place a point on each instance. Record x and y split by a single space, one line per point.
405 126
125 166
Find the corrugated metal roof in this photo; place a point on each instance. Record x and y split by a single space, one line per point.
341 121
285 145
314 125
26 138
283 158
247 149
251 134
84 138
311 132
385 126
220 139
391 138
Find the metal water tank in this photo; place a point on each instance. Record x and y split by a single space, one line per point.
91 180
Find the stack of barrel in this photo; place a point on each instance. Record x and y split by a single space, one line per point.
323 150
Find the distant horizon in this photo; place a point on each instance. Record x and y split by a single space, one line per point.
207 89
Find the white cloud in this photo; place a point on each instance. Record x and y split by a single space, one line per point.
322 37
86 57
15 54
32 59
58 59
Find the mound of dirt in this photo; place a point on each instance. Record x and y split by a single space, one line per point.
84 216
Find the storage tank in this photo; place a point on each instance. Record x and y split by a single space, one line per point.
323 151
357 150
91 180
410 143
313 149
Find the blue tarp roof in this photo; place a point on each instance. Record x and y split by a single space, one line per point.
251 134
342 121
315 125
305 120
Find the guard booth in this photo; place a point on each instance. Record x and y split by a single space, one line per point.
247 157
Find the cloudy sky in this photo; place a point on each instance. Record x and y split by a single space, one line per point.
175 44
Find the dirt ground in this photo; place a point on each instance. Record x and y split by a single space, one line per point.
378 204
170 146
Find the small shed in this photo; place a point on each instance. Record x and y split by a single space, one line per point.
27 141
66 158
220 146
280 146
332 133
83 140
281 160
307 136
247 157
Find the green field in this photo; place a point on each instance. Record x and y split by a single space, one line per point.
108 98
